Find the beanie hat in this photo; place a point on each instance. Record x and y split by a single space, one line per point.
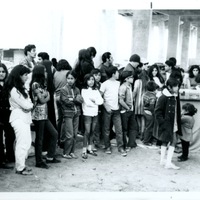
126 74
135 58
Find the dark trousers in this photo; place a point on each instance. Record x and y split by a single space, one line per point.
130 129
68 135
9 134
40 127
115 117
185 148
90 125
98 129
148 131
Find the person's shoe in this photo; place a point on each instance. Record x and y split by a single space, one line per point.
73 155
24 172
6 166
108 150
42 165
122 152
84 155
182 159
91 152
67 156
171 166
94 149
53 160
128 149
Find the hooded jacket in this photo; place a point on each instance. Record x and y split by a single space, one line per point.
165 110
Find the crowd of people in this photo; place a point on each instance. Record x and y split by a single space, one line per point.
57 101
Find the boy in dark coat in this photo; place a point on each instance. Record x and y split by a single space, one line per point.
168 116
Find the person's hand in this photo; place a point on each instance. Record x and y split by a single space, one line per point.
108 109
79 98
92 99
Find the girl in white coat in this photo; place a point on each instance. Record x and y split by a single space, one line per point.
20 117
92 99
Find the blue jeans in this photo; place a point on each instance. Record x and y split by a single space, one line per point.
40 127
69 131
115 117
130 129
90 125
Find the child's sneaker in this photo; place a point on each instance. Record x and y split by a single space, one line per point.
123 153
67 156
108 150
73 155
128 149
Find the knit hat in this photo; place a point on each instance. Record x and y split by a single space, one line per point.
135 58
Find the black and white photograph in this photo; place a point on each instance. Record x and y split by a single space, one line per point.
99 100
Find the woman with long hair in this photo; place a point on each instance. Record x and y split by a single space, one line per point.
154 75
40 97
139 90
20 117
5 128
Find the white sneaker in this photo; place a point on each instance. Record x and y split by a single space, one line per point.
171 166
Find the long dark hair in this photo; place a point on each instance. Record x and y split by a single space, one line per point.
190 71
5 69
38 75
86 78
14 80
150 70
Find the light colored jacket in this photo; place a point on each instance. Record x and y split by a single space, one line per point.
187 123
18 104
90 108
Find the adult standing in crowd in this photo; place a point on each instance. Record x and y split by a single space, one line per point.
107 61
5 128
40 97
20 117
28 61
42 56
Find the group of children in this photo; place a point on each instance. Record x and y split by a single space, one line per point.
102 107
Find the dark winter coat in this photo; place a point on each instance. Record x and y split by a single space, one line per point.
165 113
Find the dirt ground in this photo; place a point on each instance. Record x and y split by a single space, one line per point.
138 172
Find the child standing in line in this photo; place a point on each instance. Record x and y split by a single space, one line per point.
91 100
149 101
168 116
109 90
98 130
40 96
70 100
129 124
187 123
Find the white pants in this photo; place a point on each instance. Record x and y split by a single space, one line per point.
23 142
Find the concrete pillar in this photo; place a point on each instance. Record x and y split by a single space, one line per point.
142 20
185 45
173 32
198 43
162 50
